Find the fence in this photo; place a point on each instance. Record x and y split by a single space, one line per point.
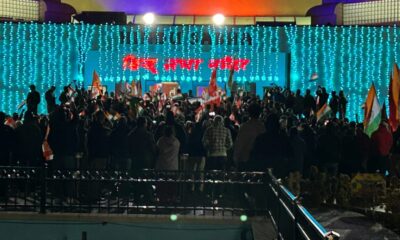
158 192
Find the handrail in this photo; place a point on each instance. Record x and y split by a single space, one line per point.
290 218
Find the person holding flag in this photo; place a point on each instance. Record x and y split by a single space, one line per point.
96 85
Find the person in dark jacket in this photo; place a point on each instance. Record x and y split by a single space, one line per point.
33 100
322 98
298 107
64 96
334 104
7 141
143 150
29 142
309 103
363 144
196 151
63 138
50 99
328 150
297 151
121 159
99 142
7 147
270 149
350 162
342 105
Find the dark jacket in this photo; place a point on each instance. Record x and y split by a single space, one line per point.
195 146
98 141
270 151
120 141
7 144
29 144
143 149
33 99
328 148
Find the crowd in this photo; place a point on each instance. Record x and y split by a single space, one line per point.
241 132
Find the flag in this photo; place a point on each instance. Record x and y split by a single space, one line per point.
372 115
212 88
47 152
96 85
324 112
21 104
314 77
383 113
121 89
199 113
10 122
230 79
133 89
394 96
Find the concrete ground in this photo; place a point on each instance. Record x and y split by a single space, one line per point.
353 226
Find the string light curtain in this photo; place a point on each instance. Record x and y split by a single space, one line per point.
343 58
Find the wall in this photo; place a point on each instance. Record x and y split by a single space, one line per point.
199 7
65 230
344 58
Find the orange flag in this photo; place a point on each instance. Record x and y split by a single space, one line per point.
212 88
96 85
394 96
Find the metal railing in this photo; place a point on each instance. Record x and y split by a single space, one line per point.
290 218
159 192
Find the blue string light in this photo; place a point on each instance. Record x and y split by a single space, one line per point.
345 58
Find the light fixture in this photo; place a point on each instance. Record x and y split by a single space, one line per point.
218 19
173 217
149 18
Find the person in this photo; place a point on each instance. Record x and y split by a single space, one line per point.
7 147
33 100
298 107
64 96
297 151
309 136
329 149
29 141
168 151
342 105
98 138
309 103
217 141
270 149
322 97
178 129
142 146
350 161
7 141
248 132
167 160
381 143
121 159
50 99
363 147
334 104
63 138
290 99
197 155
